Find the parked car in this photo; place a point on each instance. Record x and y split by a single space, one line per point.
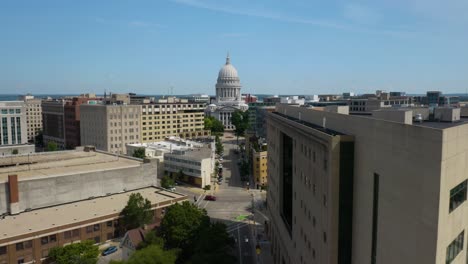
220 166
172 188
210 198
109 250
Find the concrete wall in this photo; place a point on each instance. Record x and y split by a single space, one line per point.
22 149
408 160
400 116
50 191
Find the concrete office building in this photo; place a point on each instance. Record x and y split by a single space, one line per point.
33 116
13 127
366 190
110 127
161 120
72 120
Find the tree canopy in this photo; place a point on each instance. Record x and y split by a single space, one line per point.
214 125
241 122
152 254
212 244
180 224
51 146
139 153
167 182
77 253
137 212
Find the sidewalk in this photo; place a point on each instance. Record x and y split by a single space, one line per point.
260 237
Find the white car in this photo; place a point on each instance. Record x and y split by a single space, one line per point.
220 158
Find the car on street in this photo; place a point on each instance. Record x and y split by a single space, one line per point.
220 166
220 158
210 198
109 250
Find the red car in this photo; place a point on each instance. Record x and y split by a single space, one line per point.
210 198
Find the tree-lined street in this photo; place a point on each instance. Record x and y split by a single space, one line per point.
234 207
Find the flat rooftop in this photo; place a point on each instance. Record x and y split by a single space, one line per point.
60 163
442 125
197 154
76 214
171 144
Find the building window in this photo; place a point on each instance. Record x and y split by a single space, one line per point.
19 246
97 227
45 240
97 239
457 195
67 234
3 250
76 233
109 223
89 229
454 248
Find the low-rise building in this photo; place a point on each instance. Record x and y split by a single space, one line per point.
28 237
194 159
13 125
260 166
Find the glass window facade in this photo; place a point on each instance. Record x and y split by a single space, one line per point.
287 181
457 196
454 248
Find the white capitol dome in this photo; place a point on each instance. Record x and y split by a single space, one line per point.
228 71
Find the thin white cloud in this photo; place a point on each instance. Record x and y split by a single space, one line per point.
286 18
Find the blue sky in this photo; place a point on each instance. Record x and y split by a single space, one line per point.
278 47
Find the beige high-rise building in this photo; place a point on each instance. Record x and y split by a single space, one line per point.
376 189
110 127
162 120
33 116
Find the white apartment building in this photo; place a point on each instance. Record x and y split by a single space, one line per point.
13 128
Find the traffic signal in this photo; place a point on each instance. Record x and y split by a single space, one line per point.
258 249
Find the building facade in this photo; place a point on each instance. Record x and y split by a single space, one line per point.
33 116
13 123
260 168
355 189
110 127
228 95
159 121
72 121
53 122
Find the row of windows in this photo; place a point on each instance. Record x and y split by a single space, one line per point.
454 248
457 195
11 111
196 163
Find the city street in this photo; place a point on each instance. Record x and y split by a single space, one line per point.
234 207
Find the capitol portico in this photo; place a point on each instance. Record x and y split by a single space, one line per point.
228 95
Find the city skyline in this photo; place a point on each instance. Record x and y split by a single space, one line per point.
295 48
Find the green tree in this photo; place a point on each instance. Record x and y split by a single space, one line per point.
181 223
152 254
139 153
214 125
241 122
167 182
14 152
51 146
77 253
137 212
219 147
212 244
